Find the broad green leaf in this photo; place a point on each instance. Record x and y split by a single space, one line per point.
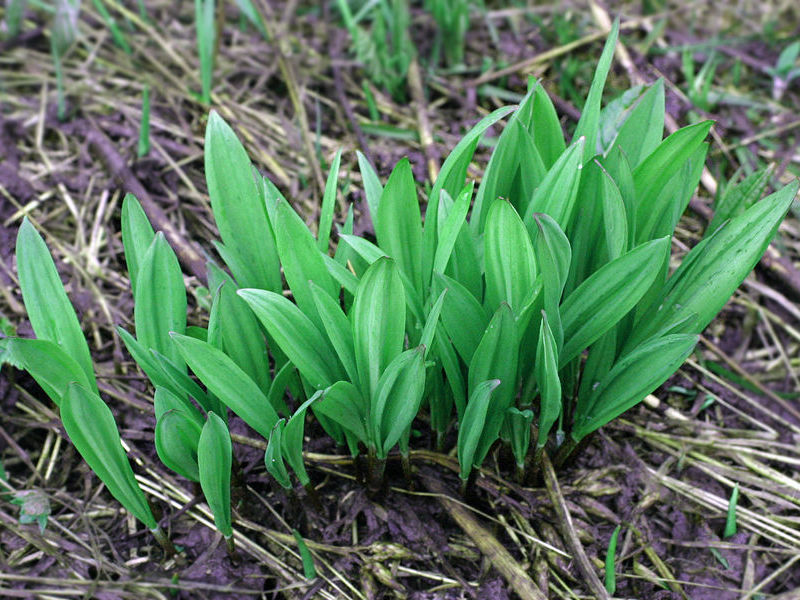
378 320
343 404
399 226
585 233
713 269
607 296
301 260
238 209
165 401
328 204
176 439
273 457
90 425
241 336
659 167
508 256
739 197
555 195
338 328
49 310
496 358
214 457
547 133
45 361
452 224
446 354
643 129
549 383
372 186
633 377
554 255
137 235
589 123
277 390
297 336
160 300
472 424
463 317
451 178
397 398
426 339
615 219
228 382
340 273
292 441
519 427
148 363
179 380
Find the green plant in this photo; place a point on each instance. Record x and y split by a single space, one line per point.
533 309
143 149
205 23
452 20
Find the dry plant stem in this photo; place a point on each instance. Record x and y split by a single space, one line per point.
568 533
518 580
189 255
423 122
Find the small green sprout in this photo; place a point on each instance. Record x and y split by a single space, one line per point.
34 507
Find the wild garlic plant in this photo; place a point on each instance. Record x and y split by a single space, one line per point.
533 309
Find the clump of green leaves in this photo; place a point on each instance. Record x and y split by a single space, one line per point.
533 309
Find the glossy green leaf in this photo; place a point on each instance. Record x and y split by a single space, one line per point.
546 368
633 377
519 426
292 442
739 197
45 361
372 186
508 256
378 319
496 358
49 310
554 255
301 261
273 457
343 404
338 328
397 398
399 227
238 209
643 129
176 439
589 123
160 300
472 424
328 204
426 339
228 382
214 458
463 317
164 401
297 336
605 297
137 235
547 133
453 221
90 425
713 269
180 380
309 570
446 354
615 218
555 195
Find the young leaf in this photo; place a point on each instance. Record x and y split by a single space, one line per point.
588 125
463 317
426 339
546 368
338 329
238 208
176 439
738 198
160 301
372 186
297 336
342 403
496 358
472 424
90 425
451 226
214 458
554 254
328 204
45 361
49 310
555 195
399 226
378 320
273 457
643 129
605 297
292 442
633 377
547 133
508 257
519 427
165 401
228 382
137 235
611 577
